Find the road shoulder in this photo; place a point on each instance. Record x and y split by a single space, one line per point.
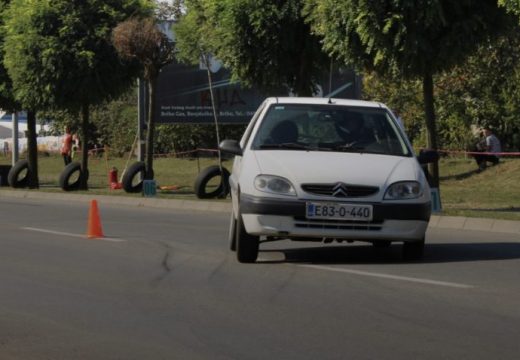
437 221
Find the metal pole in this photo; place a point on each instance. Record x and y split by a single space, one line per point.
330 75
141 117
15 150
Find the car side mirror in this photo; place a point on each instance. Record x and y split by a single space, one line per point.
428 156
230 147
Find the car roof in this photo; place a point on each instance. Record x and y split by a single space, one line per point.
324 101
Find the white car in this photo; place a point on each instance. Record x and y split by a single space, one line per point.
326 170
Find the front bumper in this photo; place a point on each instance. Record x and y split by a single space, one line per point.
286 218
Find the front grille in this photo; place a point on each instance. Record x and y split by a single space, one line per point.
338 224
340 190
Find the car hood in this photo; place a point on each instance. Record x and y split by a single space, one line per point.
329 167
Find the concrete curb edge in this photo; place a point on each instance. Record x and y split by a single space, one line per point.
436 221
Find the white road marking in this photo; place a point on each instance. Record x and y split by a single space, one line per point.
391 277
71 234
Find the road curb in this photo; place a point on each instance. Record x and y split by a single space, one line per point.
436 221
475 224
180 204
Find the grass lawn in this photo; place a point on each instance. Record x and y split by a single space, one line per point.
168 171
494 193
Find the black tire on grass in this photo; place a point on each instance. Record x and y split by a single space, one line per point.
204 178
67 173
13 177
129 175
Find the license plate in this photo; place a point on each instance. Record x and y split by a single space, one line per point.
337 211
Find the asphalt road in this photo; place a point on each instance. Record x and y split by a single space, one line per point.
163 285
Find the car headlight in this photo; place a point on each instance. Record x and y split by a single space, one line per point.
274 184
404 190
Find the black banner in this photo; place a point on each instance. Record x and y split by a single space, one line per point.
183 94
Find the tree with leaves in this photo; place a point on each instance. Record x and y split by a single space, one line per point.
484 90
59 56
142 40
7 101
167 11
402 96
195 47
410 39
264 43
512 6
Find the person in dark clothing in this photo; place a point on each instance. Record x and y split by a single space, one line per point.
490 146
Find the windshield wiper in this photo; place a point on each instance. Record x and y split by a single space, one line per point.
294 146
349 147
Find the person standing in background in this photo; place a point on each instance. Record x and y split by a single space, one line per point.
66 146
75 145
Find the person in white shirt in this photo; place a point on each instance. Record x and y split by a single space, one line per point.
492 150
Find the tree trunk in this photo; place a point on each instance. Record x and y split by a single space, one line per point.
32 150
152 84
429 110
303 82
83 182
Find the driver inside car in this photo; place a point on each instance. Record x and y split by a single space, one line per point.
351 129
285 132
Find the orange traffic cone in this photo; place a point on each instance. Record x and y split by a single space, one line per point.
94 229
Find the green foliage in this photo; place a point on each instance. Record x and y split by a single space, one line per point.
402 37
265 43
512 6
191 34
169 11
7 101
483 90
404 98
116 123
59 55
187 137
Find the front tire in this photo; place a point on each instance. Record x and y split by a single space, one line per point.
246 244
232 237
413 250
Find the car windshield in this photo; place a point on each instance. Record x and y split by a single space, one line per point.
330 128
